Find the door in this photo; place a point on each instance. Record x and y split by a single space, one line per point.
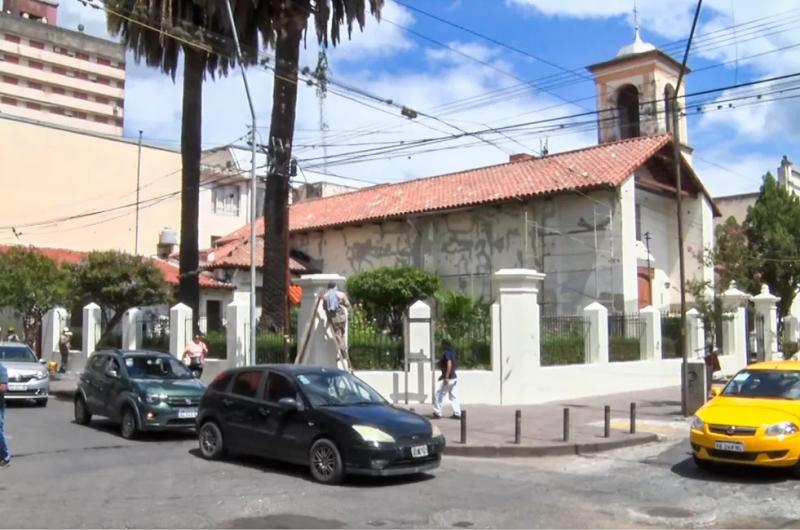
93 384
280 432
111 387
240 410
213 315
644 278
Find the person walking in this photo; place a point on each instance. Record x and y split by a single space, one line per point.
5 457
195 354
336 304
63 349
449 383
12 335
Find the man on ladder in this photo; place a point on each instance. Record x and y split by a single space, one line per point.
336 305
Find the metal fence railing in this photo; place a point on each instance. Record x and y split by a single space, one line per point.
372 350
473 346
154 333
562 339
272 348
624 331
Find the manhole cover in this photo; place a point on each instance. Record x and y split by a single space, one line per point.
284 520
671 512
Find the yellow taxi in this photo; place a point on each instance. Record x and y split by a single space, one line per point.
754 420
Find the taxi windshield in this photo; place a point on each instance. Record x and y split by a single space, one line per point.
765 384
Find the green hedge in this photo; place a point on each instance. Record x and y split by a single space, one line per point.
623 349
110 341
270 349
217 344
670 337
561 350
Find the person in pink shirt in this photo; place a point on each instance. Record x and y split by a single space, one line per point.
195 353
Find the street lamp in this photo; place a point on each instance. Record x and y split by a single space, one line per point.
251 354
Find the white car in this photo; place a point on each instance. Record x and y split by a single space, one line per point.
27 378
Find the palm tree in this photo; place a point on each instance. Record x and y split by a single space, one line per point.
282 23
158 31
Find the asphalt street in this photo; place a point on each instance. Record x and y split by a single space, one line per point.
66 475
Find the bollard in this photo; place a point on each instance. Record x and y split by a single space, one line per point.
464 427
633 418
518 427
607 422
566 424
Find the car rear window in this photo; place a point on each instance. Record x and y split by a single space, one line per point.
246 383
220 383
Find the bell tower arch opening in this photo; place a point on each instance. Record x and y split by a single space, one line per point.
669 107
628 112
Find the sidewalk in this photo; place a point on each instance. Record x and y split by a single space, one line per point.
490 428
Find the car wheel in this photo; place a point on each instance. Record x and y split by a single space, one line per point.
209 437
705 465
128 428
325 462
82 416
41 402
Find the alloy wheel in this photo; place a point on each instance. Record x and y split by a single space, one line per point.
208 440
324 460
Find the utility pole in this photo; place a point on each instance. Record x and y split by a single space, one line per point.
676 153
251 354
138 180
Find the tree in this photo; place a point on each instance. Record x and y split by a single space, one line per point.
31 284
117 281
773 233
282 24
732 258
180 25
387 292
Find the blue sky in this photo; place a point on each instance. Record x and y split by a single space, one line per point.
733 146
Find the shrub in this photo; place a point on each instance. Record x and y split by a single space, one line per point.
623 349
217 344
561 350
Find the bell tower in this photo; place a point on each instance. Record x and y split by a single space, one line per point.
635 91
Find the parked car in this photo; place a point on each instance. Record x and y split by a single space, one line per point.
754 420
324 418
27 378
142 390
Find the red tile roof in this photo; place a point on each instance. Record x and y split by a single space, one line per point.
236 254
59 255
607 165
169 270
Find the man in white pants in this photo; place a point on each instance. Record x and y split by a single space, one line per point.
449 383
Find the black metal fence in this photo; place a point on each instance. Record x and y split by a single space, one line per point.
624 331
562 339
372 350
154 332
473 347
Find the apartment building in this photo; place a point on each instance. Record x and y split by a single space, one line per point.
57 75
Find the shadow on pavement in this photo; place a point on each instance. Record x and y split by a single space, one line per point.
731 473
301 472
110 427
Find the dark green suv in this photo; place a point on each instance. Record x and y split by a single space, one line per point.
142 390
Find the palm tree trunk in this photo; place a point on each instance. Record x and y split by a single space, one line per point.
188 287
275 272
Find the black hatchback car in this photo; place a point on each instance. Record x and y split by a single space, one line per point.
324 418
142 390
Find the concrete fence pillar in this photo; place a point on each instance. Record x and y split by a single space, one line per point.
791 329
53 323
180 329
518 298
734 326
131 329
695 335
766 308
320 350
650 338
418 342
91 329
595 344
237 334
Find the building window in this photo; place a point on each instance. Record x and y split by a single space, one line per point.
58 90
81 95
11 59
82 56
8 101
34 85
81 115
226 200
10 80
33 106
12 38
104 81
36 64
669 109
57 110
100 119
103 61
59 70
37 45
628 111
101 100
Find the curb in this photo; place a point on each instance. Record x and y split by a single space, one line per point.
519 451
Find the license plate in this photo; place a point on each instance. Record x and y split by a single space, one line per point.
17 387
419 451
736 447
187 413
